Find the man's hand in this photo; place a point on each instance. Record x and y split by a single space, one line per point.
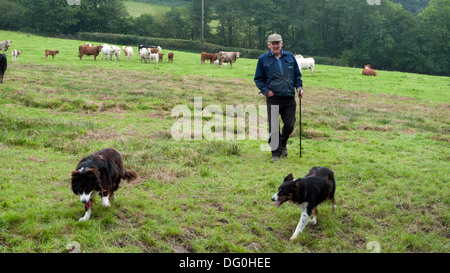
300 92
270 94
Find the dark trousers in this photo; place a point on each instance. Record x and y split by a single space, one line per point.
286 109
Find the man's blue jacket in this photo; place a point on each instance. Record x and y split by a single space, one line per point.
268 74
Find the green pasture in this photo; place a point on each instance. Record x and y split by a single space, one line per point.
136 9
386 138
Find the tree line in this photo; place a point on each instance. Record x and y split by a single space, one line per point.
351 31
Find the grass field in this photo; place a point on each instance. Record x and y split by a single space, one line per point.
386 138
136 9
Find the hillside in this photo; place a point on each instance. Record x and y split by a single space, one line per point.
386 138
135 9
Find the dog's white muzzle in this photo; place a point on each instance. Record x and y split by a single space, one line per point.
85 197
275 197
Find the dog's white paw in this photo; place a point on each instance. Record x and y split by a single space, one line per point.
293 237
82 219
105 202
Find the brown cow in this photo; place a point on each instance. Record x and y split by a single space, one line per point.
161 56
208 56
170 57
51 52
89 50
369 71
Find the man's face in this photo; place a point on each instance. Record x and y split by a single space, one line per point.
275 47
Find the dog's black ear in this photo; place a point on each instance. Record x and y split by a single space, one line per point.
75 174
91 173
75 182
289 177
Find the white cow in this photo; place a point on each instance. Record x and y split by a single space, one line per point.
116 52
128 51
15 55
109 51
106 50
154 56
144 54
217 62
4 45
305 63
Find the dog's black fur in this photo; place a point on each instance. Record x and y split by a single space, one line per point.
3 66
100 172
317 186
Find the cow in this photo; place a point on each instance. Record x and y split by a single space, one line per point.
217 62
368 71
144 54
3 65
208 56
89 50
170 57
52 53
306 63
106 51
116 52
227 57
157 48
88 44
15 55
109 51
4 45
128 51
154 56
161 56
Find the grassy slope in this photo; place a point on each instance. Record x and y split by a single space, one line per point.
386 138
136 9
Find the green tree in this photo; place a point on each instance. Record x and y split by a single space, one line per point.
12 15
100 15
49 16
435 25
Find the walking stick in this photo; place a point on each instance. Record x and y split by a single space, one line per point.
300 118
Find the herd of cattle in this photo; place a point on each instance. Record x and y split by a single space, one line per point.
150 54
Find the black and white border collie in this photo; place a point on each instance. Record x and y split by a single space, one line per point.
99 173
317 186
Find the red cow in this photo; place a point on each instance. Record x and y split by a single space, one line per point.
369 71
208 56
89 50
51 52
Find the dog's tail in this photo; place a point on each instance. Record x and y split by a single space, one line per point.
130 175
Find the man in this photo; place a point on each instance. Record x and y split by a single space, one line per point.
278 76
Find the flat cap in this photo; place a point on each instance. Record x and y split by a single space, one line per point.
274 38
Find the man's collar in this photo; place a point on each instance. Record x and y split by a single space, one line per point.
271 53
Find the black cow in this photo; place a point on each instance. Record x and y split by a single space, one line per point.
3 65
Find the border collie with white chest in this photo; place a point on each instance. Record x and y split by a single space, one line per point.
99 173
317 186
